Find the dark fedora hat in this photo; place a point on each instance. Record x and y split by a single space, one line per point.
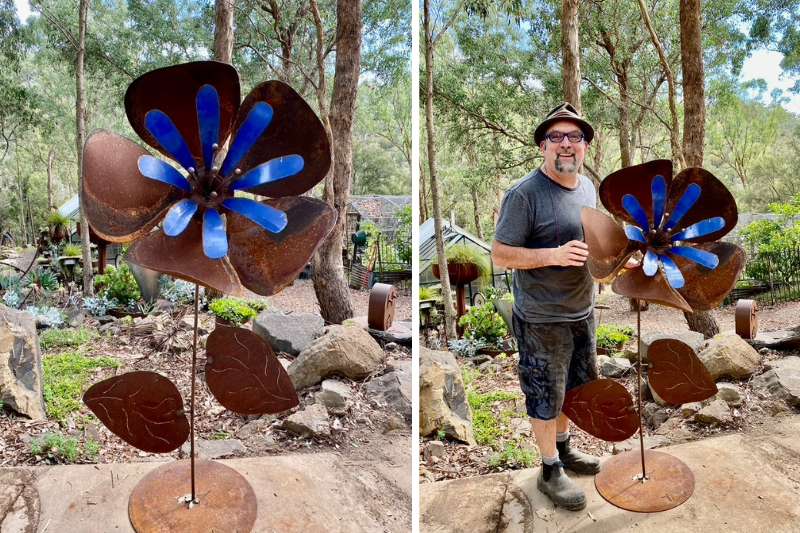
564 111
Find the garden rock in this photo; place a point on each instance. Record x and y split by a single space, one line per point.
613 367
434 448
688 410
312 421
730 393
334 395
256 427
215 449
655 414
650 442
442 400
20 364
74 316
727 354
692 338
716 413
393 389
782 381
290 333
343 350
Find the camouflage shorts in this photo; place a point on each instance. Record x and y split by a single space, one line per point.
554 358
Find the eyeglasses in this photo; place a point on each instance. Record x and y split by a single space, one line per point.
558 136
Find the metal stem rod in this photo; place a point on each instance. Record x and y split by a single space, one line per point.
638 381
191 404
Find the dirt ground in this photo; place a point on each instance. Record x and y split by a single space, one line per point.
500 374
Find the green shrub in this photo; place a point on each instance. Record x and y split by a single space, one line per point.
428 293
483 322
774 246
119 284
513 456
233 310
72 250
65 377
488 427
462 254
42 279
66 338
57 219
612 337
63 449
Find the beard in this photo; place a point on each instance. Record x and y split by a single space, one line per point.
566 165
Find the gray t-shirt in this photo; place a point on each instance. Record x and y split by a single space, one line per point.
537 212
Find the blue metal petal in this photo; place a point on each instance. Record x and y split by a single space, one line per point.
690 196
650 263
251 129
634 233
162 128
659 189
269 218
704 227
634 209
156 169
701 257
273 170
208 114
215 242
673 273
178 217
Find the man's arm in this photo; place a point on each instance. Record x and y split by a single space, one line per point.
573 253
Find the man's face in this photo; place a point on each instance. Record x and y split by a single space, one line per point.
565 157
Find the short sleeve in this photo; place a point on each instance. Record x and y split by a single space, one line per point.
513 226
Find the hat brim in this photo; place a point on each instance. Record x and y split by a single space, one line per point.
541 129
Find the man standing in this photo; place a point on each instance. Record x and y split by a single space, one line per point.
539 235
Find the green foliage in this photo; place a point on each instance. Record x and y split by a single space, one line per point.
71 250
66 338
65 377
62 449
613 337
469 255
469 374
428 293
487 426
41 279
483 322
119 284
234 310
513 455
220 435
57 219
774 246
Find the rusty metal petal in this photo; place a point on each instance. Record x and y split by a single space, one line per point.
635 284
715 200
121 204
183 257
636 181
676 374
144 409
295 129
602 408
173 90
244 375
705 289
267 262
609 247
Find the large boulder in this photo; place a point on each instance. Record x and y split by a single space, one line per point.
782 381
291 333
20 364
343 350
442 400
727 354
393 389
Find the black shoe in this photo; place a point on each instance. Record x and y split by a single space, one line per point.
577 461
554 482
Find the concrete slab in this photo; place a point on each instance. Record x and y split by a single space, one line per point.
309 493
743 482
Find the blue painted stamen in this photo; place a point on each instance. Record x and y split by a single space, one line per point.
690 196
700 229
269 218
701 257
208 118
634 209
178 217
162 128
659 190
634 233
273 170
673 273
257 121
215 242
158 170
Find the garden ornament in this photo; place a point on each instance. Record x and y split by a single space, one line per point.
272 145
675 224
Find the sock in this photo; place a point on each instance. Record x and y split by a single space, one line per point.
550 461
562 437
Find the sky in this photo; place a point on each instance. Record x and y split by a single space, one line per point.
762 64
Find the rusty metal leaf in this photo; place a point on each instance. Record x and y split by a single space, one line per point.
183 257
706 289
142 408
244 375
173 90
121 204
715 201
635 284
637 181
295 129
609 247
676 374
267 262
602 408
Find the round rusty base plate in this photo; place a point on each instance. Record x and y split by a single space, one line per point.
669 481
226 500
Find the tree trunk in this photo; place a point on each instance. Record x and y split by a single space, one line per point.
80 134
423 196
329 283
571 69
447 301
50 158
694 106
223 30
674 133
476 213
702 322
624 120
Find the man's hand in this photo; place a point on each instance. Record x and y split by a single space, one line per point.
574 253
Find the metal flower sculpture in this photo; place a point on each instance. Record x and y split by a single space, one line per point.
276 147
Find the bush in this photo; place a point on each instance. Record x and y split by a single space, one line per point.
41 279
46 316
177 291
119 284
483 322
513 456
99 305
428 293
612 337
774 246
63 449
233 310
66 338
72 250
